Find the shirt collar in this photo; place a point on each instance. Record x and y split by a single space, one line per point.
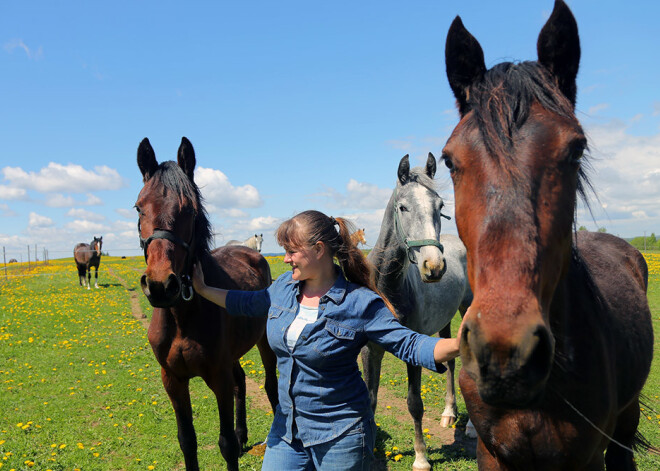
337 291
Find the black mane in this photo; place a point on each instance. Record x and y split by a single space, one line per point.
173 178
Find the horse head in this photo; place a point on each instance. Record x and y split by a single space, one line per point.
515 161
96 245
259 240
417 216
173 226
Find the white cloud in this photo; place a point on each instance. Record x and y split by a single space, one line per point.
626 177
14 44
11 193
70 178
594 110
220 193
6 211
58 200
84 214
127 213
85 226
358 195
36 220
264 223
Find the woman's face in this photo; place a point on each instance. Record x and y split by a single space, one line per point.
304 261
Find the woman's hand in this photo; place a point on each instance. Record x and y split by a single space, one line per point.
447 349
198 278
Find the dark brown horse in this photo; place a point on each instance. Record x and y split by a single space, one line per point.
558 341
189 335
87 256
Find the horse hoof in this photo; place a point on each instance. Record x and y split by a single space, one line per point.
421 465
96 286
88 287
447 421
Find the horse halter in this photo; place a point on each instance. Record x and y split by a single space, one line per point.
411 243
186 283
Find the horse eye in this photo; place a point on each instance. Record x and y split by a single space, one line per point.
402 208
448 163
137 209
576 157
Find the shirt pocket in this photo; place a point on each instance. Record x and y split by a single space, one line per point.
334 338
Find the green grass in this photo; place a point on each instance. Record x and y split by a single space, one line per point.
80 387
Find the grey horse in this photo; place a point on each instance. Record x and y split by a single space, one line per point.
253 242
425 285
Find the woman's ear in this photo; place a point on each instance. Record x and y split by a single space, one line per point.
319 249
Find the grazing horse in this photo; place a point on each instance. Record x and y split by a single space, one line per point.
253 242
357 237
424 276
558 341
189 335
87 256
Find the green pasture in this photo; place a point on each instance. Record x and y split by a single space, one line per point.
80 388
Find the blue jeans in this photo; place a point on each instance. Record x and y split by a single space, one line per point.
351 451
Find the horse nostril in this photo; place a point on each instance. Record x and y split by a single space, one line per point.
144 284
172 286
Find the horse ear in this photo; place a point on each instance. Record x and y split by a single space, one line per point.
430 165
146 159
186 158
558 48
464 60
404 169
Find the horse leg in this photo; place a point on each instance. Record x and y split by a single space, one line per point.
179 395
617 457
89 277
451 411
222 385
96 277
372 357
240 430
416 409
270 367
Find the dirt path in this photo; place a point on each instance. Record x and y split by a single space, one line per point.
136 310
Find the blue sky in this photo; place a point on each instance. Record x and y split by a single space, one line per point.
289 105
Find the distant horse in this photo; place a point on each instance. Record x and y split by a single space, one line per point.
87 256
189 335
357 237
558 341
253 242
424 276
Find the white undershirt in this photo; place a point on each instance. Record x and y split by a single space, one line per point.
306 315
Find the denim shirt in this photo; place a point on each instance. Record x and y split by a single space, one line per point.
320 386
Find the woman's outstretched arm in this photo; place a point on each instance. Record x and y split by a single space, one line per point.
215 295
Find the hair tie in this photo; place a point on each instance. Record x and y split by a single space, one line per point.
333 221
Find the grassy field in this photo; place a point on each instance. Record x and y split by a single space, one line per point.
80 388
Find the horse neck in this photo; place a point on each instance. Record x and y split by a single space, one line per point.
389 255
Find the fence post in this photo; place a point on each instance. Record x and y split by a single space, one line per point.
28 257
4 258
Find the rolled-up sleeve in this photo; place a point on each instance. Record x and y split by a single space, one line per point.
248 303
412 347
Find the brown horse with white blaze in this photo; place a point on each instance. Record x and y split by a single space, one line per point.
189 335
558 341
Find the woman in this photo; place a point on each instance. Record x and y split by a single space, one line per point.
319 317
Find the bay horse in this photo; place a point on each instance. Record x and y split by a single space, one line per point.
423 273
87 256
253 242
189 335
357 237
558 341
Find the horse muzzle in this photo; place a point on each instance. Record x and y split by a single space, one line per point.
508 373
166 293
